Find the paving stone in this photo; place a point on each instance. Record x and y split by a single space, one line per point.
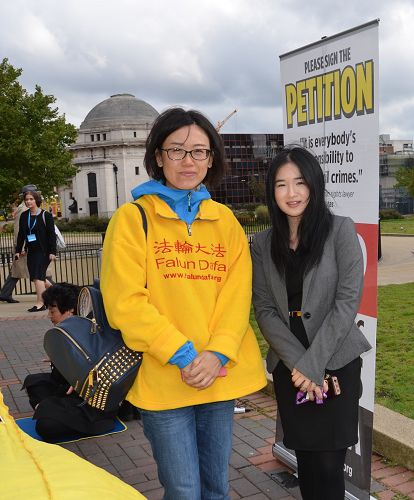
376 487
263 458
155 494
378 464
263 432
111 469
233 495
253 474
150 471
122 462
254 441
248 423
269 423
272 489
405 488
386 495
238 461
244 487
99 459
149 485
140 462
240 431
259 496
112 449
400 478
245 450
89 447
272 466
387 472
234 473
132 476
135 452
236 440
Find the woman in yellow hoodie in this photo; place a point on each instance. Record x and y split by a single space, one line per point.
181 294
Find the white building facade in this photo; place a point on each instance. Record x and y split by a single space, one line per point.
109 153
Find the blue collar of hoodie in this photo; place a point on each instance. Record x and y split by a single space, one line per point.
185 203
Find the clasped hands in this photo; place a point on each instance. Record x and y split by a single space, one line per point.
202 371
306 385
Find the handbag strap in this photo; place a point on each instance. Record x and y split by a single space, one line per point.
144 217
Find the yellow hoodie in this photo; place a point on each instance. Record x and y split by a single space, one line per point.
173 286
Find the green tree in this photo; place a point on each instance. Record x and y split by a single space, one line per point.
258 189
34 139
405 176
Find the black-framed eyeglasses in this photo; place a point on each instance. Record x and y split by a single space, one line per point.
179 153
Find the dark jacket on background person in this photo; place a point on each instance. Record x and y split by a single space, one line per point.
44 230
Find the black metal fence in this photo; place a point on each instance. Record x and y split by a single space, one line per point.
79 262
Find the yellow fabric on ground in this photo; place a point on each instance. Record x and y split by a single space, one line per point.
34 470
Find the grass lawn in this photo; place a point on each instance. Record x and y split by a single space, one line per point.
395 225
395 348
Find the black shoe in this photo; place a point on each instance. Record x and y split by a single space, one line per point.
35 309
10 300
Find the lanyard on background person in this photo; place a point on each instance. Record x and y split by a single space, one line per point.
31 238
28 223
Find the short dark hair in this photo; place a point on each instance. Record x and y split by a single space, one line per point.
316 221
62 295
173 119
36 196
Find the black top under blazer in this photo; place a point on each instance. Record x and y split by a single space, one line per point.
331 296
45 232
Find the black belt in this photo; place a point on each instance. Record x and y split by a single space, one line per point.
295 314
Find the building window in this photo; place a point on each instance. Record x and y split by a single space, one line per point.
135 134
93 208
92 189
104 137
98 137
136 170
92 138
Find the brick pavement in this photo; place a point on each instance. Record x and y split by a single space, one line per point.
128 454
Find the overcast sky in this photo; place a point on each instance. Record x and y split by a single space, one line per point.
212 55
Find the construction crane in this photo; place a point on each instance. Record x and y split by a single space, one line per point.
220 124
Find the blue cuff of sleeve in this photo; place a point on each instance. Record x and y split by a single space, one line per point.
184 356
223 359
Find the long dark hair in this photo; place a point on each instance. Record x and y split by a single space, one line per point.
172 119
316 221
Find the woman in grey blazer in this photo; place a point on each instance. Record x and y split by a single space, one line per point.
307 285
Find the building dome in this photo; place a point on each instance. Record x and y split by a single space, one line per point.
120 110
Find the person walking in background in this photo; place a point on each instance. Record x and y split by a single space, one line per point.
307 285
37 234
19 267
181 294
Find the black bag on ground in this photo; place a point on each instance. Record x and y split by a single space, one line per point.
91 355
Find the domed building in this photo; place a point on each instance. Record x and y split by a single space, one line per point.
109 152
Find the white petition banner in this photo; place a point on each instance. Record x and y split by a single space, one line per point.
330 106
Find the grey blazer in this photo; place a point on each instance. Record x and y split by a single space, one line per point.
331 296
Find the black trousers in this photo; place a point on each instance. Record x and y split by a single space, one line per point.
8 287
321 474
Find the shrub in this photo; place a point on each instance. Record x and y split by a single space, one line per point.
389 213
84 224
262 213
8 227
